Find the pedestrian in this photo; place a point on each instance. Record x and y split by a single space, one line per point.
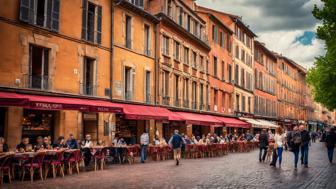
176 142
263 145
305 137
144 141
279 143
330 143
294 143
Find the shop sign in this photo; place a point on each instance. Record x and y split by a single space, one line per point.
48 106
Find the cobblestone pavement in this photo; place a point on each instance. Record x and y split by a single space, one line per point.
238 170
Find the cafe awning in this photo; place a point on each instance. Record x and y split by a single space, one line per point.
42 102
142 112
233 122
199 119
268 124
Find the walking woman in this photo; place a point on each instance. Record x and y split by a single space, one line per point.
279 143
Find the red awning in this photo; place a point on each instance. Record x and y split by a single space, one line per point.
141 112
233 122
199 119
57 103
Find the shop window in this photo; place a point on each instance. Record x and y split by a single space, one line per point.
88 85
130 130
42 13
128 82
39 67
91 22
38 123
2 121
90 125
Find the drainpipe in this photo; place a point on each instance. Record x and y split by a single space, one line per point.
111 54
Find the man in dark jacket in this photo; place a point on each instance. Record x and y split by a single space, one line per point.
263 144
176 142
305 137
330 143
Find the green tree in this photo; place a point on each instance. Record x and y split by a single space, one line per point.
322 77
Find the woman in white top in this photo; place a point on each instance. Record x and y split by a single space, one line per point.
279 143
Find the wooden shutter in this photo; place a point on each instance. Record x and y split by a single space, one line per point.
99 25
84 19
49 13
55 15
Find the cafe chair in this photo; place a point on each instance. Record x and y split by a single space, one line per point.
57 164
33 164
99 159
5 167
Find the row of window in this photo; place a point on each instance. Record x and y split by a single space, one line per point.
243 103
242 55
178 13
244 79
221 38
197 61
265 107
197 100
243 37
264 82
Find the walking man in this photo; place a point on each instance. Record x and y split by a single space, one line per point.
176 142
305 145
144 141
330 143
263 144
294 143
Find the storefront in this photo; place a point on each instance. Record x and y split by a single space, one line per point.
3 112
37 123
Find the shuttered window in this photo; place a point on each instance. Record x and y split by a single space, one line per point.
91 22
42 13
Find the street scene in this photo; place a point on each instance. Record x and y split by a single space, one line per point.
241 170
167 94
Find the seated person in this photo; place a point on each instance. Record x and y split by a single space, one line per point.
23 146
60 143
156 141
71 142
163 141
47 143
40 144
115 140
86 148
121 141
4 145
100 143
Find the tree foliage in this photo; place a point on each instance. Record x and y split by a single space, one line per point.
322 77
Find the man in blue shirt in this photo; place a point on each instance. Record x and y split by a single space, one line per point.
176 142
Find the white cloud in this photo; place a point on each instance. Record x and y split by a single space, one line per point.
277 28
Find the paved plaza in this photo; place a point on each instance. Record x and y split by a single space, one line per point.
236 170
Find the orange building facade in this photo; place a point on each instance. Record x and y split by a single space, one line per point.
265 82
220 63
44 54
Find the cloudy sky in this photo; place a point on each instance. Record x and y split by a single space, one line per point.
285 26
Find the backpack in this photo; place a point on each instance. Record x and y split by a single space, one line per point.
297 140
176 141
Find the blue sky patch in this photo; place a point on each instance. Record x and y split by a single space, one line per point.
306 38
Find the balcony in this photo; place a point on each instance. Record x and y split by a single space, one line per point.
186 103
166 100
38 82
89 89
